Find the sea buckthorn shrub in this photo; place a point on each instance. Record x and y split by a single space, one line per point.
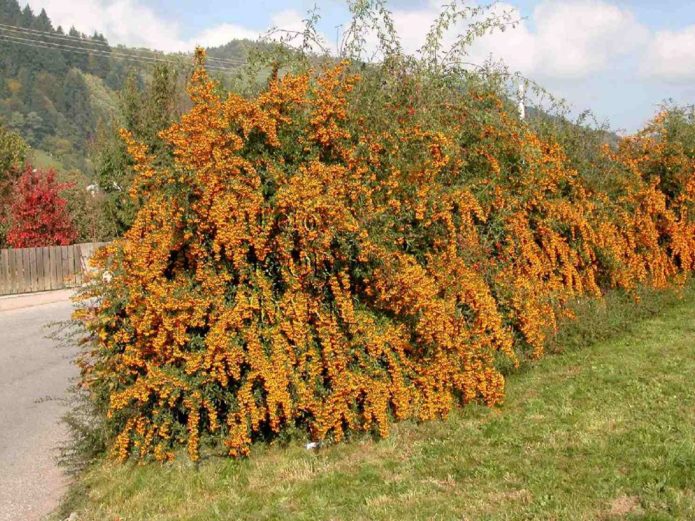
341 251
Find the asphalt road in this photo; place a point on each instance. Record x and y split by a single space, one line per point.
34 375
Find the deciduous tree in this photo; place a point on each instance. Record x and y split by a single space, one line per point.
13 151
38 214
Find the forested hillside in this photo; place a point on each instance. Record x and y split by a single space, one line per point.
58 85
54 97
65 96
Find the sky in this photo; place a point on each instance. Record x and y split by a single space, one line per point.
619 58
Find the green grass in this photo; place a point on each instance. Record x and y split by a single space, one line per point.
43 160
602 432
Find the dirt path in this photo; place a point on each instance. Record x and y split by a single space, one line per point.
34 375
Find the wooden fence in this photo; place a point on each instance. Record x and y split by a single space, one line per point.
25 270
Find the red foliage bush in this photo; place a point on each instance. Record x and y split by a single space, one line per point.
38 214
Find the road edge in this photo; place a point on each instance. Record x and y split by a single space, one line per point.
28 300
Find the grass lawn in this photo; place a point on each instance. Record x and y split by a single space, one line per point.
602 432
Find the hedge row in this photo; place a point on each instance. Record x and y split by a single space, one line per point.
334 254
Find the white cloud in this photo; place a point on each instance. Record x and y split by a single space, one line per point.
517 47
671 56
412 26
288 19
580 37
566 39
130 22
121 21
219 35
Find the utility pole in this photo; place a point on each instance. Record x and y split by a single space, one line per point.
521 92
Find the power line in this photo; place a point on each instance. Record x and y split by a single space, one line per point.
16 28
84 44
231 61
81 50
26 31
33 33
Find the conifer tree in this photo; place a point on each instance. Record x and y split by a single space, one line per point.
145 112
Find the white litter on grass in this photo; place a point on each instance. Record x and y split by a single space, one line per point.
312 445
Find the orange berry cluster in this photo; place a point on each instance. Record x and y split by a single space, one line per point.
292 266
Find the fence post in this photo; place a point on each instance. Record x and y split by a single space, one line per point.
26 269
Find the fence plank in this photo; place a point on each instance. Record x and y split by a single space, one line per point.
46 268
21 281
78 264
52 267
41 260
17 271
20 271
71 266
37 269
59 266
26 269
58 256
47 265
31 255
56 267
40 270
15 260
9 285
4 272
45 252
64 266
86 252
21 268
13 269
26 274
